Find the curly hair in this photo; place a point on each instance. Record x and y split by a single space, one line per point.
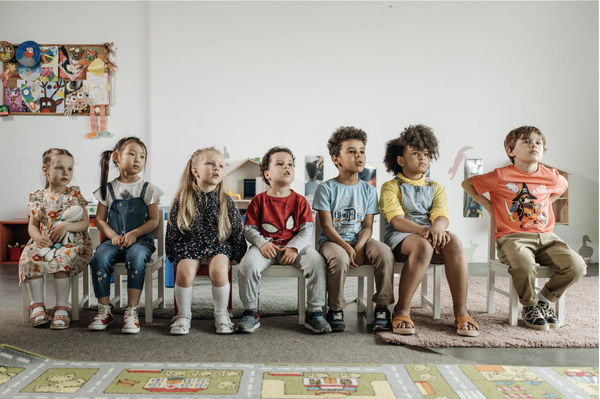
343 133
266 160
523 132
419 136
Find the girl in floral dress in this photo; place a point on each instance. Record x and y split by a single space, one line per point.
47 207
204 223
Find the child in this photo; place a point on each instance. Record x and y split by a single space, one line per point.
127 214
520 202
47 207
279 226
415 208
204 223
346 208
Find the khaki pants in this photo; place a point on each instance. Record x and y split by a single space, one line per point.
525 252
377 254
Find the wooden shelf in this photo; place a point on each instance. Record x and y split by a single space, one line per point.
12 231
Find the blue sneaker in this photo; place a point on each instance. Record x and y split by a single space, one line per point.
250 321
336 320
316 322
383 321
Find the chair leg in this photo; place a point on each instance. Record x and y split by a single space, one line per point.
118 291
86 288
560 310
161 285
513 304
75 296
490 292
370 293
149 296
360 295
230 276
424 290
437 286
301 298
26 301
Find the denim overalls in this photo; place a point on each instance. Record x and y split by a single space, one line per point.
124 216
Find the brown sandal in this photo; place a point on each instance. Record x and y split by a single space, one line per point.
462 320
66 319
397 320
35 315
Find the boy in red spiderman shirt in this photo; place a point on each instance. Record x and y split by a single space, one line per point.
279 226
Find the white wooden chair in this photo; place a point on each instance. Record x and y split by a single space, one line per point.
289 271
76 302
156 264
435 269
498 269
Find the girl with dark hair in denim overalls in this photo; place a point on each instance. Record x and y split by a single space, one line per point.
127 214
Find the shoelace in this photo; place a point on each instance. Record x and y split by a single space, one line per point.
380 315
224 321
548 311
338 316
535 313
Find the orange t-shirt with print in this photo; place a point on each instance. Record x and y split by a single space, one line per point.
521 201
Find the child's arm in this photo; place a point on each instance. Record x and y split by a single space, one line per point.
333 236
470 189
131 236
366 232
58 231
252 234
300 241
34 232
105 229
554 197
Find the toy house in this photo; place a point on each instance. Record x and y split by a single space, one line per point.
238 181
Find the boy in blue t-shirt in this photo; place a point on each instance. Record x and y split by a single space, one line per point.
346 208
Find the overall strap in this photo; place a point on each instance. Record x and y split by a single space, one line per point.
112 192
399 181
143 193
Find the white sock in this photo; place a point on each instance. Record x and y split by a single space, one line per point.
62 287
541 297
221 298
35 287
183 296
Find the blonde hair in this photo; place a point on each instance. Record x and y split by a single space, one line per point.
187 192
49 155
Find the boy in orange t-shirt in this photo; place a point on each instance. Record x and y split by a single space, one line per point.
521 197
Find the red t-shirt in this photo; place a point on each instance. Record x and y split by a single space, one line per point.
521 201
278 218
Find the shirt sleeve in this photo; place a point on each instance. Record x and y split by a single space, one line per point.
439 206
173 235
561 184
253 236
35 203
322 200
153 194
253 213
390 202
302 239
101 200
373 208
485 183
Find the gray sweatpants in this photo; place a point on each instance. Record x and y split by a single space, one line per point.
309 261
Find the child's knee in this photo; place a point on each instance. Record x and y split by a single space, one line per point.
579 267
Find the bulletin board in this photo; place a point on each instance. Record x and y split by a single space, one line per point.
66 79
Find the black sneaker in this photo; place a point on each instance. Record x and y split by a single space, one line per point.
534 317
335 318
383 320
549 314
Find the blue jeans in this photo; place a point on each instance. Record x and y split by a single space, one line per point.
135 258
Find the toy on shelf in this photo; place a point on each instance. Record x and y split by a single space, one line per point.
14 251
72 214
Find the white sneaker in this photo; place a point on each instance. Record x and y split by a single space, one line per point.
223 323
131 321
103 318
181 324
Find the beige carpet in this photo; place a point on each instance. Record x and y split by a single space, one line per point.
580 329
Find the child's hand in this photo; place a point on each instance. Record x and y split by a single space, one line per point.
44 242
437 237
128 240
289 255
268 250
360 256
58 231
351 254
117 241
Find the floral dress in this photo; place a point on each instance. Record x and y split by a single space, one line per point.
70 258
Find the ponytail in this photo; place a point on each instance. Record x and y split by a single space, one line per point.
104 169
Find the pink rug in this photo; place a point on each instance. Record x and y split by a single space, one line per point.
579 331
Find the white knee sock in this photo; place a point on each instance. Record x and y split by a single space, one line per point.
183 296
541 297
62 287
35 287
221 298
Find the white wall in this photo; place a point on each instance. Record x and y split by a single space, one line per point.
251 75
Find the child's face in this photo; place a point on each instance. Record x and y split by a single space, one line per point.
281 169
60 170
414 162
131 159
529 150
352 156
209 169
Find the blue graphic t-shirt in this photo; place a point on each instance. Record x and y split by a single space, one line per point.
348 206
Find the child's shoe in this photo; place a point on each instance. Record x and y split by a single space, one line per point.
335 318
103 318
250 321
181 324
534 318
131 321
315 322
383 320
223 323
549 314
